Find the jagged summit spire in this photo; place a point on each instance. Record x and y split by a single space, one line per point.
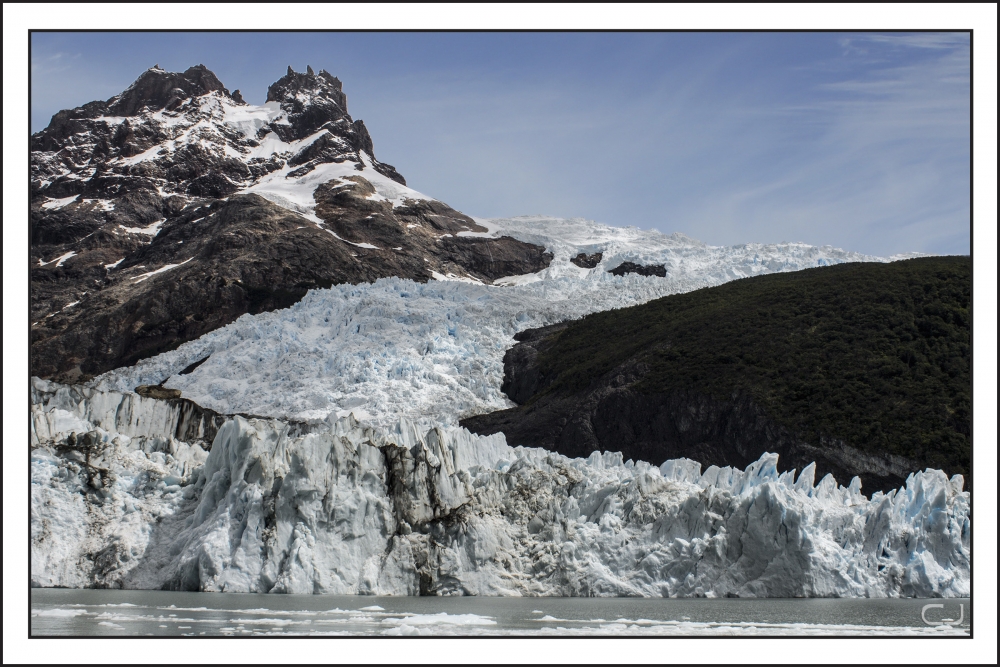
312 100
311 103
158 89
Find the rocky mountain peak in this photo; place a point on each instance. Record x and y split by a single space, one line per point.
248 207
185 133
307 88
157 89
312 101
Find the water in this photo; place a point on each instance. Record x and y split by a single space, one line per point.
66 612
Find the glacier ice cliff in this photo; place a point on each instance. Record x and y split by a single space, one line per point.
120 499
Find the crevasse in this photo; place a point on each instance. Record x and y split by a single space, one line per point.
119 500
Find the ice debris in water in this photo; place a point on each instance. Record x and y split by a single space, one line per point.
343 508
433 352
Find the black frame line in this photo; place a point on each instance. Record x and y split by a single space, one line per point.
971 33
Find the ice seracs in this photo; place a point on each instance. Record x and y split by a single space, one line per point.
434 351
343 508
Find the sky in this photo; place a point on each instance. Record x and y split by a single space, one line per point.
856 140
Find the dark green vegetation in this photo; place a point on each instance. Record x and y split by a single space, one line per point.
875 356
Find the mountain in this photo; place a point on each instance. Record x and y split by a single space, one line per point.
174 208
862 368
271 341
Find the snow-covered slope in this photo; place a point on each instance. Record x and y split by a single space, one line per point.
434 351
351 509
681 256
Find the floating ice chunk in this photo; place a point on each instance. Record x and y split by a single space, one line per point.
443 618
58 613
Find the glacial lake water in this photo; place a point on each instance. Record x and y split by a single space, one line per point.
105 613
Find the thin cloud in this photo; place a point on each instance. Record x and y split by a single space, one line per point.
877 163
920 40
53 62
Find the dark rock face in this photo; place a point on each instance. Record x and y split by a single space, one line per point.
158 89
523 376
311 102
612 416
585 261
141 240
228 258
495 258
156 391
631 267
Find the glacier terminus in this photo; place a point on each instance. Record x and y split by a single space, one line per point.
338 507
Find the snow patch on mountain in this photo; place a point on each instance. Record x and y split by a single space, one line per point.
143 276
296 192
58 260
150 230
59 203
248 119
434 352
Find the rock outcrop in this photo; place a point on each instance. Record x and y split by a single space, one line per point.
643 270
585 261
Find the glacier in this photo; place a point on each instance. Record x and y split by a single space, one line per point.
134 492
316 448
432 352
